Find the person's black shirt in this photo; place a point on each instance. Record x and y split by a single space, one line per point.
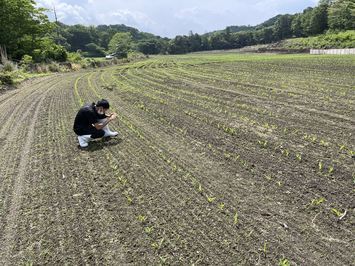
84 119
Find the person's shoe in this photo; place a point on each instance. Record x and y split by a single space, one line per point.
109 133
83 148
84 140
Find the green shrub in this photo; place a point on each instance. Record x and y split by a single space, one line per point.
9 66
344 39
27 59
49 51
6 79
75 57
54 67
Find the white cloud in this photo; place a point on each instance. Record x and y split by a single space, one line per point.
125 16
66 13
171 17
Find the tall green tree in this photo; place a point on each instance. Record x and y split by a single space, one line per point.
195 42
296 26
151 46
282 27
121 44
342 15
79 37
319 19
22 25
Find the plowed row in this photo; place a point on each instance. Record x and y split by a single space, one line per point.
221 160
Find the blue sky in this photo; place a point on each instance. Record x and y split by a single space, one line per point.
169 18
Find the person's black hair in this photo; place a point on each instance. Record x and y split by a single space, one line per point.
103 103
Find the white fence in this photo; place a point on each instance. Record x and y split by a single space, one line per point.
333 51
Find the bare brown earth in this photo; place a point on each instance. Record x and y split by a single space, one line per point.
222 159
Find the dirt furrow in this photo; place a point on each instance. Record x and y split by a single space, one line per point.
16 198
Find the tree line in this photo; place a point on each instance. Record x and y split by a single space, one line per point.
328 15
26 31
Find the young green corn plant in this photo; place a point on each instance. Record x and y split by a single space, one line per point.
299 157
268 177
200 188
336 212
342 147
263 143
284 262
128 197
320 166
141 218
211 199
158 245
317 202
285 152
235 218
324 143
148 229
265 249
163 259
227 155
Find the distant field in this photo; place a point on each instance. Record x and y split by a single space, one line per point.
223 159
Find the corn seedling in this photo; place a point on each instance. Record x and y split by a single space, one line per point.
320 166
317 202
160 243
336 212
148 229
268 177
331 170
163 260
235 218
324 143
211 199
263 143
221 206
141 218
342 147
265 249
299 157
200 188
129 199
227 155
155 245
284 262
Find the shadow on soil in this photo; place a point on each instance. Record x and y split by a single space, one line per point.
102 143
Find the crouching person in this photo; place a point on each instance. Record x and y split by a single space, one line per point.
91 122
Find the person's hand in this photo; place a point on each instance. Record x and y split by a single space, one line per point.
113 116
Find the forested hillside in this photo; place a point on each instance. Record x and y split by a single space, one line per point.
27 33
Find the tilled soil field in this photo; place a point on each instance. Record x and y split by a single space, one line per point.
221 159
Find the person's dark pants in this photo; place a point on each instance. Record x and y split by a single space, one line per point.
95 133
